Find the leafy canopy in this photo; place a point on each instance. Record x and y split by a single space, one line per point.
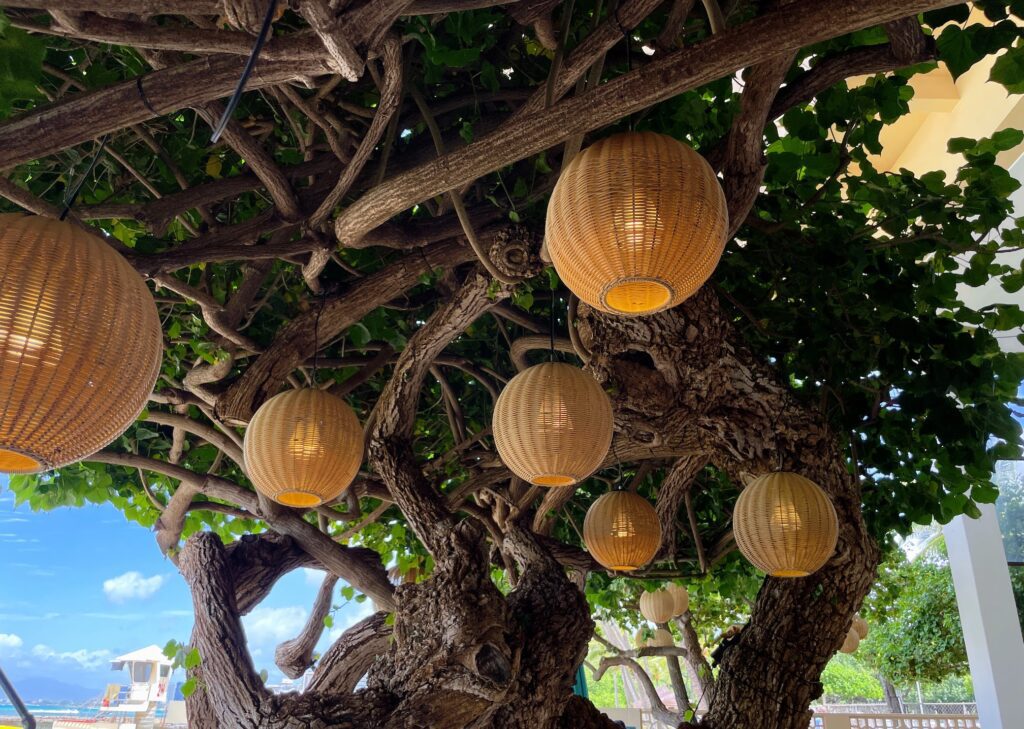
844 276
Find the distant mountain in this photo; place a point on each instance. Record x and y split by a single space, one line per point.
42 690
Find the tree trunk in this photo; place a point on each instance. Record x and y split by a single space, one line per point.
699 382
892 697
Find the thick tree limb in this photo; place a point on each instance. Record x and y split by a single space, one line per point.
294 342
349 658
294 656
218 633
783 31
671 494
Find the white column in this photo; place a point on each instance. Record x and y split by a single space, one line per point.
992 632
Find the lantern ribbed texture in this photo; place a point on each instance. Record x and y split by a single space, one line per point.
658 606
303 447
80 344
662 639
622 531
861 626
785 525
553 424
681 598
851 642
636 223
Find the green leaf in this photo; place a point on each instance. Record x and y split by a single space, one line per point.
1008 69
193 660
188 687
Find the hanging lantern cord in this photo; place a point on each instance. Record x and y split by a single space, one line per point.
72 195
268 19
551 356
316 333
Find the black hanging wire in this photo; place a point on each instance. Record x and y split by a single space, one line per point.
316 334
268 20
629 68
69 199
551 356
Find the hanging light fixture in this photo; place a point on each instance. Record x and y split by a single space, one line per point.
663 639
681 598
622 531
80 344
785 525
658 606
303 447
851 642
636 223
860 625
553 424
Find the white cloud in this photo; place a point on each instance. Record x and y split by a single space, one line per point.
9 642
347 619
175 613
84 658
131 585
313 577
273 625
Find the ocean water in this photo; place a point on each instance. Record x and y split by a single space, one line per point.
49 710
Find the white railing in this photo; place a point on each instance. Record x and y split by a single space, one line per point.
959 708
894 721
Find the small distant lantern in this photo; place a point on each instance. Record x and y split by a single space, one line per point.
681 598
851 643
553 424
785 525
662 639
303 447
658 606
636 223
622 531
80 344
861 626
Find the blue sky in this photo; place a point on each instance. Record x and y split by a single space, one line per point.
79 586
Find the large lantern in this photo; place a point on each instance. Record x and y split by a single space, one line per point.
622 531
303 447
80 344
658 606
681 598
553 424
785 525
636 223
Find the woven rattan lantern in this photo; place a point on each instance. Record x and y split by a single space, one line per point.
658 606
785 525
303 447
860 625
662 639
851 642
681 598
553 424
622 531
80 344
636 224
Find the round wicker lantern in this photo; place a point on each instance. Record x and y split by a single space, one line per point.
662 639
851 642
658 606
860 625
622 531
303 447
785 525
681 598
553 424
641 638
636 223
80 344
